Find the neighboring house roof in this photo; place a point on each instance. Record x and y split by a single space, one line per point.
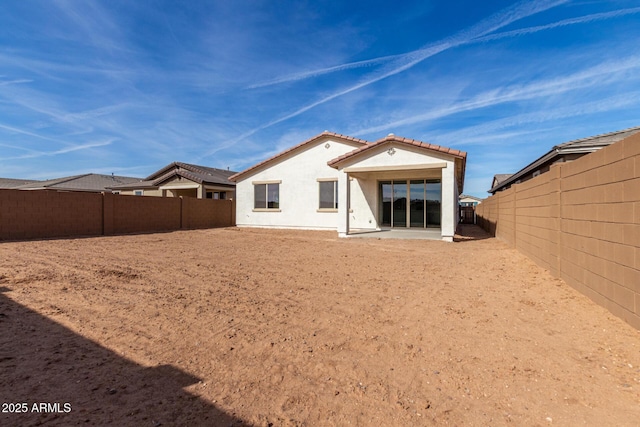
464 196
325 134
13 183
577 146
413 143
195 173
86 182
500 177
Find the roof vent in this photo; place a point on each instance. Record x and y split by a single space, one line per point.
391 134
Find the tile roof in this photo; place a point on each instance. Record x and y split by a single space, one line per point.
460 156
13 183
598 141
324 134
582 145
499 177
401 140
195 173
86 182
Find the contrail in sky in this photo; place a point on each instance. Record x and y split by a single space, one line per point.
408 60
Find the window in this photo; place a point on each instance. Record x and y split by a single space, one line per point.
266 195
217 195
138 193
328 194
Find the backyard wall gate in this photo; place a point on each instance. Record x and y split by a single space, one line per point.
580 221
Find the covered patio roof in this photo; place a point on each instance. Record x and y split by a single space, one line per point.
460 158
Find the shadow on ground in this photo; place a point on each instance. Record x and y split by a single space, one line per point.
42 362
470 233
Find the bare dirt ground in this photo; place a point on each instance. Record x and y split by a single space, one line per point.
290 328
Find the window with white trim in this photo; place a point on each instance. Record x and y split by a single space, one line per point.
138 192
328 191
266 195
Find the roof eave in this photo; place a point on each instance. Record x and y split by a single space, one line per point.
343 138
531 166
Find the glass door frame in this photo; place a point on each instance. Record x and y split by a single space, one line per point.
407 211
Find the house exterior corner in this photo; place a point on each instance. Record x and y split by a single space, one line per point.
338 183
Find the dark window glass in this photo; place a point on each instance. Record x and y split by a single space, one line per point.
273 196
260 196
328 195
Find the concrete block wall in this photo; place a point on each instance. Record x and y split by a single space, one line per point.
487 214
600 227
537 209
207 213
35 214
45 214
581 221
136 214
505 210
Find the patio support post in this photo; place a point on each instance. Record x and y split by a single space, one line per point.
449 203
344 193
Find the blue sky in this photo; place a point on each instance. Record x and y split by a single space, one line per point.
127 87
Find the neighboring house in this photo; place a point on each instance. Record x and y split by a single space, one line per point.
342 183
91 182
13 183
465 200
565 152
500 178
183 180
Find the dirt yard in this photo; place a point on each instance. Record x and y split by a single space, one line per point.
296 328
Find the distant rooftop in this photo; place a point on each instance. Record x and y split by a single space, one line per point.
576 146
12 183
195 173
86 182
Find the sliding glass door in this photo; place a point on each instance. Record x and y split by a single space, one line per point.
386 194
399 204
416 207
433 199
410 203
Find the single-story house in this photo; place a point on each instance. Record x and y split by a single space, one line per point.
91 182
564 152
466 200
337 182
183 180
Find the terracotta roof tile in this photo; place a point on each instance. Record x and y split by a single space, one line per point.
295 147
393 138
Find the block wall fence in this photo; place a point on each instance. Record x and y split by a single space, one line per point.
38 214
580 221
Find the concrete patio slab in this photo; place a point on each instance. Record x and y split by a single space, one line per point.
398 233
